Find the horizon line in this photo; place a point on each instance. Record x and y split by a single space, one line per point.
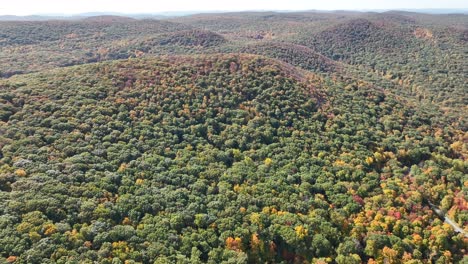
192 12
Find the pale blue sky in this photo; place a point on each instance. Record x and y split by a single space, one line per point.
28 7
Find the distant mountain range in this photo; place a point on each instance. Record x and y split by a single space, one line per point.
40 17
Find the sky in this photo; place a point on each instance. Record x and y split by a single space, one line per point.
68 7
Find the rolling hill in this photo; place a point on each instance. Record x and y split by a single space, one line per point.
254 137
297 55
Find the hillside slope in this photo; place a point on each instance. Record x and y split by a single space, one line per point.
297 55
34 46
423 55
221 158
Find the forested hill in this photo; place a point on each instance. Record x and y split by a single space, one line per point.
234 138
422 55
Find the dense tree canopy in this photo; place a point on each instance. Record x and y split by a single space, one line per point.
300 152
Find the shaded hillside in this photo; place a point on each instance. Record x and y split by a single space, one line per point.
263 25
423 58
395 17
193 38
33 46
222 158
350 39
90 29
178 42
297 55
63 43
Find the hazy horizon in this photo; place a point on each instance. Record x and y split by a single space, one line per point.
62 8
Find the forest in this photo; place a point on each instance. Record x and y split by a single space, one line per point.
254 137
